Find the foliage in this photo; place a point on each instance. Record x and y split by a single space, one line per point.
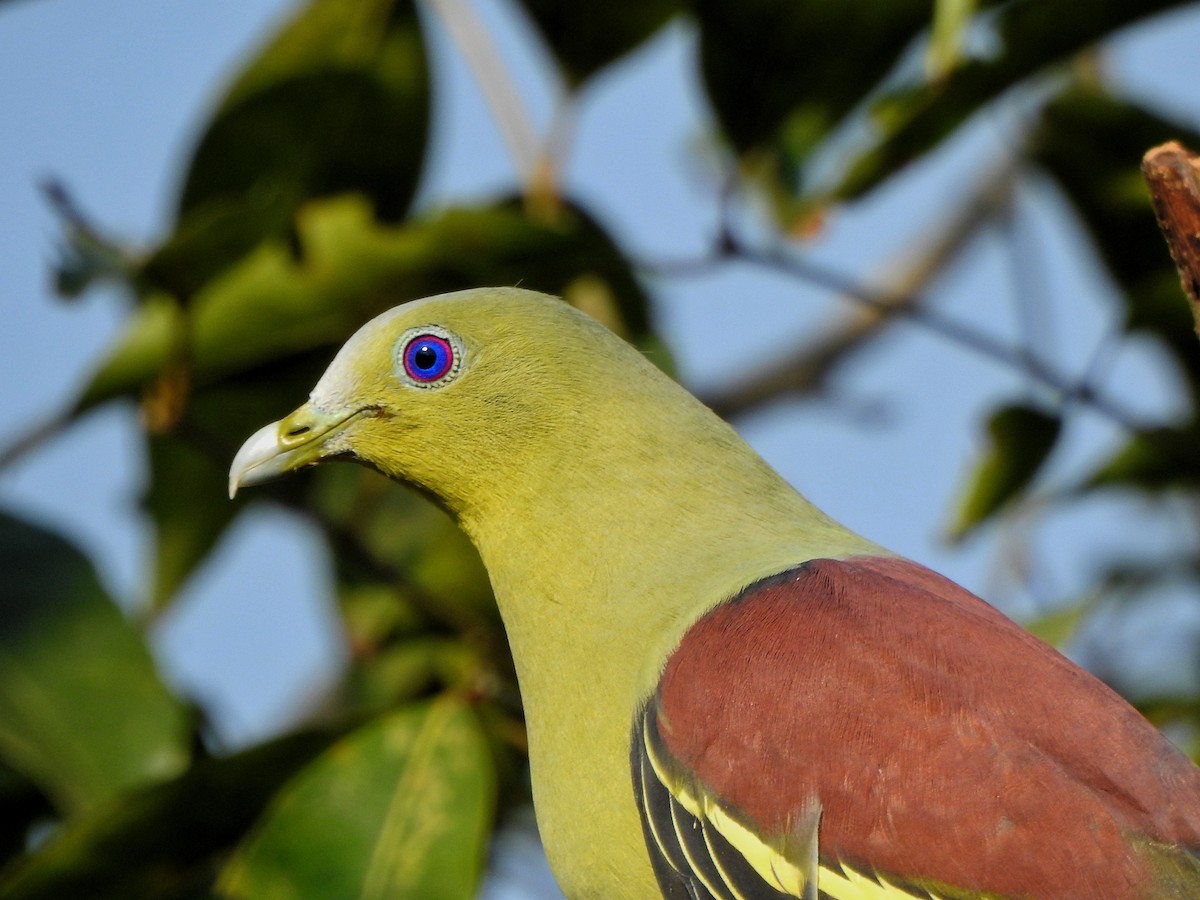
294 225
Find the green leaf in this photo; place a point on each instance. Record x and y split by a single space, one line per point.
375 613
189 509
406 575
787 79
782 76
187 495
1020 440
409 669
1090 143
402 532
82 710
401 808
24 805
270 307
1028 37
358 68
586 37
1156 459
951 21
777 66
1059 626
337 102
162 843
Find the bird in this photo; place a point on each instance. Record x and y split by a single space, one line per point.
727 693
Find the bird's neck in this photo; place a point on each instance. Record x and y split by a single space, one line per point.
631 526
600 560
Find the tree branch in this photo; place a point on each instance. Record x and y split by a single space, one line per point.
808 370
1173 175
805 372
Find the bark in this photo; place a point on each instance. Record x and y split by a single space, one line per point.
1173 174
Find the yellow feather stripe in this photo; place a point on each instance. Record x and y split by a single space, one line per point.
782 874
844 883
776 871
650 820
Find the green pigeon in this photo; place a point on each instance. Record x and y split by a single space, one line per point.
727 693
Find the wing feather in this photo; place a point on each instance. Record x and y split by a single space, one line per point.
708 852
866 730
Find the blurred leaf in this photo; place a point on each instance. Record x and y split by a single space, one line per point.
82 710
356 67
777 70
1179 717
410 669
401 808
783 81
416 599
1086 140
161 843
1020 440
375 614
948 35
587 37
22 804
187 495
1025 39
403 532
189 510
1154 460
1059 626
1090 143
270 306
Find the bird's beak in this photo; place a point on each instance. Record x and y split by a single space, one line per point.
303 438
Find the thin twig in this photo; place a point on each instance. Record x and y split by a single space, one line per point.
977 341
1027 275
809 368
498 89
909 307
35 437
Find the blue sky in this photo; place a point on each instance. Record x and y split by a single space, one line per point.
108 98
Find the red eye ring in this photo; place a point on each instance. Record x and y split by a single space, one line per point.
428 356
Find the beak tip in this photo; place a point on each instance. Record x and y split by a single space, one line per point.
267 453
259 458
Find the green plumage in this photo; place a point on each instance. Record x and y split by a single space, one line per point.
612 510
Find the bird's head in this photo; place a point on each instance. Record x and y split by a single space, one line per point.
454 394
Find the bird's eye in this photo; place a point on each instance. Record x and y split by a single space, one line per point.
429 357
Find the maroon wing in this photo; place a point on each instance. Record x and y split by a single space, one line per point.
946 746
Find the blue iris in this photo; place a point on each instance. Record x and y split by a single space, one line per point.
428 357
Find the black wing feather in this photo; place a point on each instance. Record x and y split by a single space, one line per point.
691 859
